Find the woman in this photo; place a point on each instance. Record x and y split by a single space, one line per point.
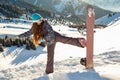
42 30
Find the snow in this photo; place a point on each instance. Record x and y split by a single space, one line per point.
60 6
108 19
35 2
17 63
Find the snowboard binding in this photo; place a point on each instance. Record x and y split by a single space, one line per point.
83 61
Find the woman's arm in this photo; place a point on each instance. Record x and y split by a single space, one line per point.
26 34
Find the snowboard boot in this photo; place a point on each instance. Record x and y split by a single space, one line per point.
48 72
28 45
83 61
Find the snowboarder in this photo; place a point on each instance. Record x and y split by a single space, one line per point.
42 30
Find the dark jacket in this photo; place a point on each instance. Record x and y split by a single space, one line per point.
49 33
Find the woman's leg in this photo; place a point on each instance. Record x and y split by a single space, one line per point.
50 58
70 40
50 49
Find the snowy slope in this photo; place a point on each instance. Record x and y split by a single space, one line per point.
21 64
108 19
68 7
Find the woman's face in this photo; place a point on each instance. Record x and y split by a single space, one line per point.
39 22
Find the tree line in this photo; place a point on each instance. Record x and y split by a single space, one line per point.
15 11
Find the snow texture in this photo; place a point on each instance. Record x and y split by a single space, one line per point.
17 63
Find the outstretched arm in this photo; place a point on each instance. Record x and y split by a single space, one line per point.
26 34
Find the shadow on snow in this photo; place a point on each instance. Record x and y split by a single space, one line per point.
20 54
112 57
86 75
23 55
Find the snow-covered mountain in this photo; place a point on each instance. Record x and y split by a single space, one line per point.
108 19
112 5
17 8
67 7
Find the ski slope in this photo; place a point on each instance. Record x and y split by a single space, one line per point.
17 63
108 19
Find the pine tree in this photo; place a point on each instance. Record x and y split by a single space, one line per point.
18 42
1 40
24 40
27 45
32 45
7 41
1 48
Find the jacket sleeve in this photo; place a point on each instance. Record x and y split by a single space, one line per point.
26 34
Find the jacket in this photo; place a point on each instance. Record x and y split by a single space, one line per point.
49 33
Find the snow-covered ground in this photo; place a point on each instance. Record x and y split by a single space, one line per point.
109 19
17 63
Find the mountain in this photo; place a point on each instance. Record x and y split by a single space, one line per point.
67 7
112 5
15 8
74 11
108 19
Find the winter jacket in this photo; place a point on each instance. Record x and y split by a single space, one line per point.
49 34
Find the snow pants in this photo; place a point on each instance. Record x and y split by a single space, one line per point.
50 49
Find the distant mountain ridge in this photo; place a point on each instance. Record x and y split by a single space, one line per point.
67 7
15 8
112 5
72 10
109 19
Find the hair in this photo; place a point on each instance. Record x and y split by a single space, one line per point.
37 32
